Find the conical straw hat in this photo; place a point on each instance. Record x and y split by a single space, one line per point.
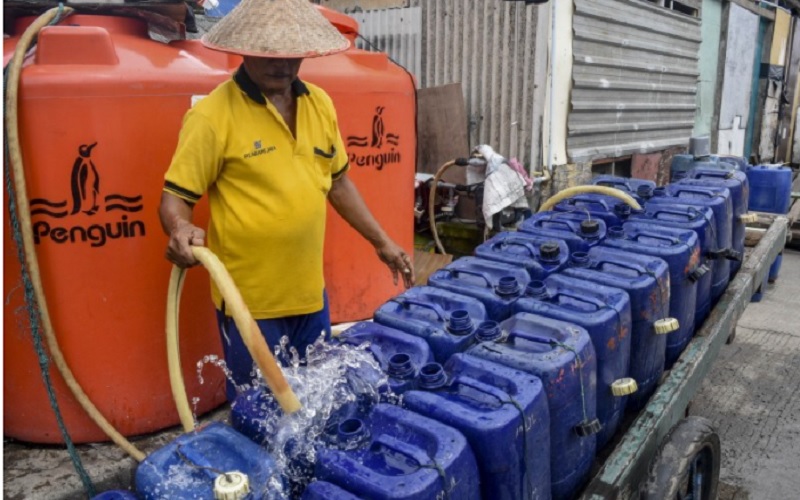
275 28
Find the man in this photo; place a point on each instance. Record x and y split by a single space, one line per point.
266 147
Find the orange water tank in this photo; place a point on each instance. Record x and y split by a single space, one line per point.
100 110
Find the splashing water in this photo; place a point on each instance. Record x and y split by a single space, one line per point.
333 382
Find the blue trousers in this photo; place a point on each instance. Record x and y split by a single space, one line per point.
302 331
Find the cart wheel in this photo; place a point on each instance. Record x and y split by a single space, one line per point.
687 466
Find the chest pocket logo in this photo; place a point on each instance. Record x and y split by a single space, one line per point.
258 150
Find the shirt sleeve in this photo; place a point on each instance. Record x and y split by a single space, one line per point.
341 161
197 159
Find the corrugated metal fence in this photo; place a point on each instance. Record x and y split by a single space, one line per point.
486 45
634 79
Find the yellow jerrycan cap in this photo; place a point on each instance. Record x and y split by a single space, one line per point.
231 486
666 325
624 387
749 218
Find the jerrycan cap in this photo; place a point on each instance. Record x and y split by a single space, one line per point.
590 228
749 218
507 286
622 210
624 387
231 486
549 251
645 191
536 289
666 325
432 376
660 191
588 427
580 259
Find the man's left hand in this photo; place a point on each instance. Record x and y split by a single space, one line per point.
398 261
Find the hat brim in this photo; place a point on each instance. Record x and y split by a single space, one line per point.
276 55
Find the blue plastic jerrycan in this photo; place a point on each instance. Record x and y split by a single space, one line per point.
562 356
541 256
775 268
495 284
323 490
681 251
116 495
736 182
579 230
394 453
770 188
646 280
605 312
503 414
191 465
700 220
719 200
446 320
400 354
629 185
599 206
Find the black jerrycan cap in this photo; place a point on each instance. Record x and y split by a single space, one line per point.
588 427
697 273
549 251
590 227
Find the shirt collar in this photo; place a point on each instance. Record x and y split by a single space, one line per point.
250 88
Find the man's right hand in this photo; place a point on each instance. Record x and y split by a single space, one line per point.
183 237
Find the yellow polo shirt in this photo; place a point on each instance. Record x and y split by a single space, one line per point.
267 190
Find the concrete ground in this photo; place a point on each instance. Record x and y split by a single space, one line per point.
753 395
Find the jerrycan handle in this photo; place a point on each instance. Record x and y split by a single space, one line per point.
627 265
654 236
599 304
394 444
405 302
481 387
518 242
531 337
198 459
566 224
470 273
671 211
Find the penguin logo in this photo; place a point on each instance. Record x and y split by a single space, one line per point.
85 182
377 128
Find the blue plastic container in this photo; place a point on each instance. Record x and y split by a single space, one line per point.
116 495
579 230
597 205
495 284
719 200
322 490
395 453
540 256
770 188
700 220
605 312
400 354
446 320
503 414
775 268
187 467
646 280
640 187
739 187
562 356
681 251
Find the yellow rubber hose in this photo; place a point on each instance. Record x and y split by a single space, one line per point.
608 191
248 329
432 203
31 259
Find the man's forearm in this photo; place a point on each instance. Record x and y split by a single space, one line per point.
173 212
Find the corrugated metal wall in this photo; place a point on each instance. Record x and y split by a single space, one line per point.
634 79
486 45
398 32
